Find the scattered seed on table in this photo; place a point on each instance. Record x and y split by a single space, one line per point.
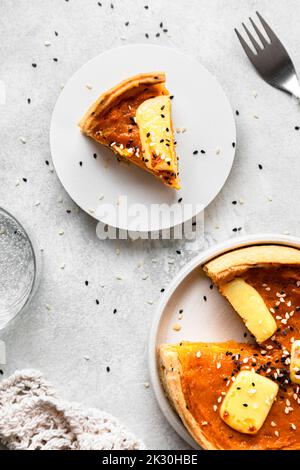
147 35
179 200
146 7
181 311
28 100
165 30
112 6
260 166
25 180
161 25
297 128
195 152
68 211
211 287
127 23
80 163
1 372
56 33
107 369
86 283
204 298
97 302
178 252
237 113
233 144
34 65
157 35
115 311
234 229
55 59
203 152
162 290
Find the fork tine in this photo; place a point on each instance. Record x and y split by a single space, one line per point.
254 42
272 36
259 34
248 51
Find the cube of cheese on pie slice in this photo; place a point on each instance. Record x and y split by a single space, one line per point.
248 402
153 118
295 362
249 304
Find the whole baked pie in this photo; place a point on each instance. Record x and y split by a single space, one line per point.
134 120
238 395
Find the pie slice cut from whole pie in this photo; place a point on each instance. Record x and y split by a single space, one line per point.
239 395
252 280
134 120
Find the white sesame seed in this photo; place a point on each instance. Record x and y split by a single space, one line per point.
176 327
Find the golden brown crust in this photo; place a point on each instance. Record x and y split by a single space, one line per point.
107 99
232 264
171 372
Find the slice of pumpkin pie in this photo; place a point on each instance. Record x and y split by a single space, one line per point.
255 280
134 120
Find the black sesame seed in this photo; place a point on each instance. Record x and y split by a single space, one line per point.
56 33
297 128
245 405
127 23
234 203
28 100
203 152
204 298
1 372
162 290
235 229
107 369
180 200
80 163
157 35
97 302
147 35
195 152
178 252
245 335
34 65
112 6
146 7
68 211
47 162
171 97
115 311
260 166
148 134
165 30
161 25
55 59
237 113
25 180
233 144
211 287
181 311
162 115
100 4
86 283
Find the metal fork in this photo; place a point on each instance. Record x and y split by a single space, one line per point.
271 59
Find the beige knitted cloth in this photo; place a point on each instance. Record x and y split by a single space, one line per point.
33 417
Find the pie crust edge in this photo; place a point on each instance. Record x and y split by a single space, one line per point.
170 370
225 267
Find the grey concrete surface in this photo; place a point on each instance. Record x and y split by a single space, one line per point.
56 340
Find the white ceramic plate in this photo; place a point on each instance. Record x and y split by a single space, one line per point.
210 321
199 105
